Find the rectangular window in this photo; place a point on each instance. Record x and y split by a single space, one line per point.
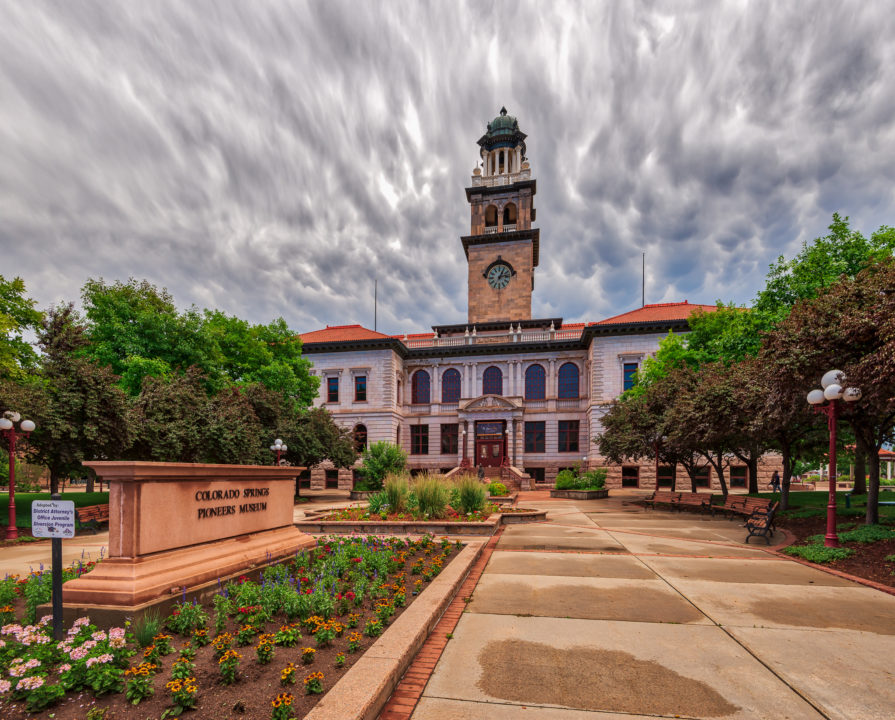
332 389
738 476
534 437
630 375
537 475
449 437
332 479
703 477
304 479
568 436
630 476
666 475
419 439
360 388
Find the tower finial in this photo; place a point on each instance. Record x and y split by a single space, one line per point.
503 111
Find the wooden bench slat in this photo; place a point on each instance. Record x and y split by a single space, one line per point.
91 516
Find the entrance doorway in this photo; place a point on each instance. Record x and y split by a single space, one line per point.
490 443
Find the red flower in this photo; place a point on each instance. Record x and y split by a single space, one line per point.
308 591
304 580
350 595
242 579
357 560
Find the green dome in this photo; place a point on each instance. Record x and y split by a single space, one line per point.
503 131
503 124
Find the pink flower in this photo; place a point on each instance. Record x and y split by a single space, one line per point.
17 670
64 668
30 683
46 619
99 636
5 686
116 632
89 644
117 642
79 653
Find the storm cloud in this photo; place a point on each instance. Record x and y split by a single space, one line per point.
274 158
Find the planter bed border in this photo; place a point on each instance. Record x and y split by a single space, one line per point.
418 527
580 494
364 690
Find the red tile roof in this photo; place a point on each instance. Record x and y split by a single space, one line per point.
657 312
341 333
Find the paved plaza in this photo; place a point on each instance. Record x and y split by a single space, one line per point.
609 611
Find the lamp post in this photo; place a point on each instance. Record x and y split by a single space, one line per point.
833 392
278 447
8 430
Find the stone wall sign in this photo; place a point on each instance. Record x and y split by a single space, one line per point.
175 525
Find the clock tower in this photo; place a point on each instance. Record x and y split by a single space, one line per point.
502 247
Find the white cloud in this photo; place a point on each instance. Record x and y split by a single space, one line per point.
273 159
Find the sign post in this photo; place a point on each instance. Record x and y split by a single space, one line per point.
54 519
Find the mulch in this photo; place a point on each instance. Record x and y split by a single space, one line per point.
250 697
868 562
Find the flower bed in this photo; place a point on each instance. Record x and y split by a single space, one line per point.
260 649
591 494
21 596
356 514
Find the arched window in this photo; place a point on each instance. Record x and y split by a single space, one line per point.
450 386
509 214
568 381
491 216
500 162
419 387
492 381
535 383
360 438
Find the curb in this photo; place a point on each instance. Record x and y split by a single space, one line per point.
367 686
407 694
838 573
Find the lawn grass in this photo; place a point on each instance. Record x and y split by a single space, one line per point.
807 503
24 500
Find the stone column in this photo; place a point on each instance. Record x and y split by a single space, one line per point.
435 395
515 442
551 379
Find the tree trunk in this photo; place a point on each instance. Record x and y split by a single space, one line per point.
91 479
860 486
673 477
54 481
752 464
787 476
872 516
719 471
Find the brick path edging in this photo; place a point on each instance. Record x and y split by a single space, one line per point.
362 692
407 694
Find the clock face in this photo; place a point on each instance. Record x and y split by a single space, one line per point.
499 277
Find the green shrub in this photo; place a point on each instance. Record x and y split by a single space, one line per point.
497 489
471 495
867 534
396 489
432 495
567 480
591 480
595 479
377 502
818 553
381 459
147 627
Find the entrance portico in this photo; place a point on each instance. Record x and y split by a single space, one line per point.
492 422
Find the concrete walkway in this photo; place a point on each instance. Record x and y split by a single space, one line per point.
607 611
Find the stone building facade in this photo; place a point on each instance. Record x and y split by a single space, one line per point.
503 388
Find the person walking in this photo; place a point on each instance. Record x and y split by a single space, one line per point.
775 482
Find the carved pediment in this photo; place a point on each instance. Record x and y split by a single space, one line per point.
490 402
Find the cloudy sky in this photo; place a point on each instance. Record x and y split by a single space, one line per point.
273 158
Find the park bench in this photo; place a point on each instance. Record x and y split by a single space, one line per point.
92 516
693 499
732 504
761 523
663 497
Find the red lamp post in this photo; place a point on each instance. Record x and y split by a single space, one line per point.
8 430
833 392
278 448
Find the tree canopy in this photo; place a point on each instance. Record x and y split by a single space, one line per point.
136 329
17 316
